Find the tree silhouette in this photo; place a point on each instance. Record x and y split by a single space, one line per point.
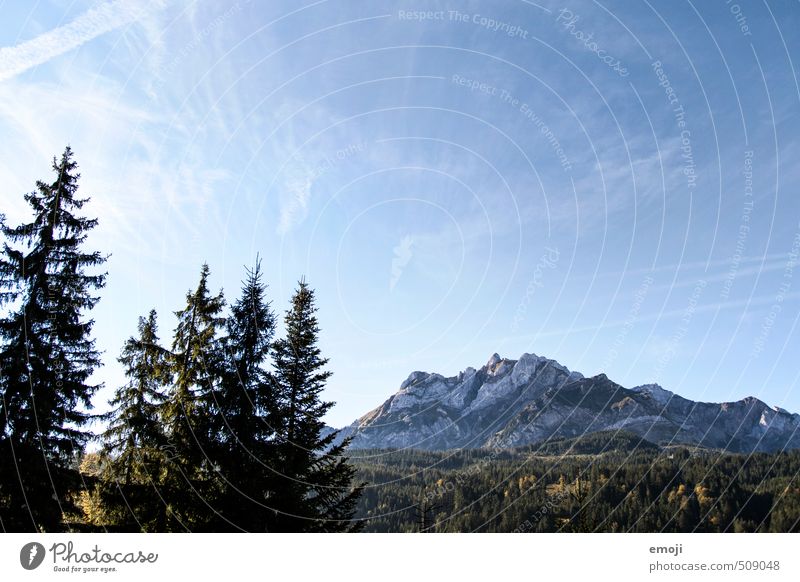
46 351
190 483
134 438
315 492
245 401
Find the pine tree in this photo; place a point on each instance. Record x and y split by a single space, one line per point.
46 351
196 362
134 431
689 514
316 491
247 454
134 439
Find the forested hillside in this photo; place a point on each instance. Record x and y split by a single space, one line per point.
573 486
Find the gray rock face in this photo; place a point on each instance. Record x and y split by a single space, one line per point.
509 403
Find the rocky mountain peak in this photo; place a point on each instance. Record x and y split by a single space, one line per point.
509 403
497 365
493 361
413 378
654 391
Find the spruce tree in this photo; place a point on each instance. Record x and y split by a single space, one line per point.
245 405
47 355
316 491
196 365
134 438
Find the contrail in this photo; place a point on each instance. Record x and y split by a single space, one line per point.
91 24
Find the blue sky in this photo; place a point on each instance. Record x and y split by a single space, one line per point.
612 185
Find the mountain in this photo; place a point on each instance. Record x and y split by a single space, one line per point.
511 403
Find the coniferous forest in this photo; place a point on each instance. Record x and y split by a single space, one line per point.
592 484
219 425
219 429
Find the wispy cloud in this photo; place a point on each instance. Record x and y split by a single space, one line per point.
89 25
295 208
402 255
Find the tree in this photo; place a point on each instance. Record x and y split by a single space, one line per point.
245 403
689 514
134 439
316 491
134 431
425 511
46 351
196 365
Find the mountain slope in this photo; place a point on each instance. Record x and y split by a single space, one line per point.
510 403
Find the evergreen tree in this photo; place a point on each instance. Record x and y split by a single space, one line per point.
196 362
689 514
46 351
247 453
316 491
134 431
134 438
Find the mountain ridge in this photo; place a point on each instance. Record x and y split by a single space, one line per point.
509 403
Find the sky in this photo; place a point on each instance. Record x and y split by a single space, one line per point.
612 185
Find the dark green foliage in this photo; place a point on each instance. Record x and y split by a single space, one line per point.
246 449
134 430
315 491
46 351
190 484
527 490
233 446
594 443
134 438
